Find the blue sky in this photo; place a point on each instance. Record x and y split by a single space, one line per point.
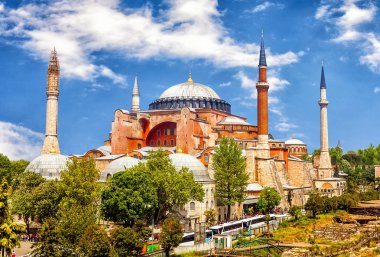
102 44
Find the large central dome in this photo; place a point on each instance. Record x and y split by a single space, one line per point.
190 94
189 90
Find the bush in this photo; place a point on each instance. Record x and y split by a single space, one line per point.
370 194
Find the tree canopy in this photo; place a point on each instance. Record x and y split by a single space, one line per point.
171 234
130 196
269 199
231 179
155 187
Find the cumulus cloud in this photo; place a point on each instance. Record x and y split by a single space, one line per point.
18 142
225 84
347 17
79 29
264 6
376 90
276 83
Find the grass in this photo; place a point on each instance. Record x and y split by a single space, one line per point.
293 231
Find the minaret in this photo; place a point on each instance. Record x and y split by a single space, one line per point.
262 87
51 144
324 169
135 98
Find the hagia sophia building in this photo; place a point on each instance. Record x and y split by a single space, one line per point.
187 121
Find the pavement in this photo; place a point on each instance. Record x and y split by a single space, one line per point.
24 249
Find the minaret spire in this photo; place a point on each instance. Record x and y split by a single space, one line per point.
263 59
135 97
51 144
262 87
324 170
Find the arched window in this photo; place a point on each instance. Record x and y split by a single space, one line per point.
158 142
212 192
165 143
138 146
206 157
206 205
192 206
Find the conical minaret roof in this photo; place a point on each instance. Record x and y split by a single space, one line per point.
323 81
135 90
263 59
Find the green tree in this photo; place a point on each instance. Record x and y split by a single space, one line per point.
79 183
46 199
130 196
171 234
73 222
210 216
80 201
347 200
269 198
314 204
49 244
174 188
231 179
5 165
126 242
22 199
296 212
95 242
370 194
8 229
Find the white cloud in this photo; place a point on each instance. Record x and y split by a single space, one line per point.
264 6
376 90
18 142
276 84
1 7
347 19
225 84
79 29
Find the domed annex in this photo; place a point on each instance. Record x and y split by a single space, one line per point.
117 165
49 166
294 141
296 147
190 94
199 171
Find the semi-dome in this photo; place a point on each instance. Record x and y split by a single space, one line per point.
190 94
294 141
117 165
49 166
199 171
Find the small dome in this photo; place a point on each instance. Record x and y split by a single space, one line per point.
294 141
199 171
189 90
117 165
49 166
232 120
105 149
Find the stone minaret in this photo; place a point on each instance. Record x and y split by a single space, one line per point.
135 98
51 144
324 170
262 87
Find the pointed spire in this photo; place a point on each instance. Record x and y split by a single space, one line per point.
136 90
190 79
53 63
263 60
323 81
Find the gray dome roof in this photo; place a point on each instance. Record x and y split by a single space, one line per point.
294 141
199 171
117 165
48 166
189 90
